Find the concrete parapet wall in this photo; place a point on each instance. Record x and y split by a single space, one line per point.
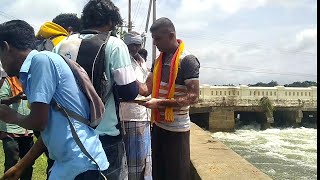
211 159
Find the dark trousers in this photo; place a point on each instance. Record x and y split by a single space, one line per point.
90 175
115 150
170 154
15 148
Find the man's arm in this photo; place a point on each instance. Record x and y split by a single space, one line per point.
10 100
192 97
36 120
41 88
129 91
122 71
145 89
16 171
190 66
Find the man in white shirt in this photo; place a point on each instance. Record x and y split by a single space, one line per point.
136 118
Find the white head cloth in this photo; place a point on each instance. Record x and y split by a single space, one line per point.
131 38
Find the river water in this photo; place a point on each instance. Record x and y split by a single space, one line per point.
289 153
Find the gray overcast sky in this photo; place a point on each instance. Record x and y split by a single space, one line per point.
236 41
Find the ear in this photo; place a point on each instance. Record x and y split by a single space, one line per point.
5 47
172 35
70 30
111 25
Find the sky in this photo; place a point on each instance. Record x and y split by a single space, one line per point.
236 41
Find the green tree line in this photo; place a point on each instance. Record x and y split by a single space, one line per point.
275 83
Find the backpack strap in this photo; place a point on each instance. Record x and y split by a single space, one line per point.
67 113
101 50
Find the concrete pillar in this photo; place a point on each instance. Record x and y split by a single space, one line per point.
206 92
244 92
264 120
299 116
314 92
293 118
280 92
222 120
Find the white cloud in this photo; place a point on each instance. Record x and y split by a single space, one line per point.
230 6
36 12
304 41
307 39
212 31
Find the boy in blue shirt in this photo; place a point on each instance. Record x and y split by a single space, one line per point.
45 75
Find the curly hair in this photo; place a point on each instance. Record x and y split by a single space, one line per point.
67 20
98 13
18 34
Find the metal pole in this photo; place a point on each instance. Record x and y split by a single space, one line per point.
154 19
147 23
129 18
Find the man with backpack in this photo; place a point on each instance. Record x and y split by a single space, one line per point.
46 78
99 17
51 33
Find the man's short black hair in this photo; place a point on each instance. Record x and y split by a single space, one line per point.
164 24
98 13
18 34
67 20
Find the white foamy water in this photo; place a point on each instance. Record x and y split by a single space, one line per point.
280 153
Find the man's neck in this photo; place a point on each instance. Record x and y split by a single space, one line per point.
173 48
20 57
102 29
23 54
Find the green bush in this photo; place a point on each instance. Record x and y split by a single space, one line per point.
39 168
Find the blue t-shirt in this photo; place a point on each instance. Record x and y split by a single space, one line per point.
118 70
45 75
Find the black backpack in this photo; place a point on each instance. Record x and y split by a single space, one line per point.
90 54
94 48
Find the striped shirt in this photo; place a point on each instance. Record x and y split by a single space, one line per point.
188 70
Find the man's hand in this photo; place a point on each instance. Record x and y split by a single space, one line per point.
146 88
14 99
23 96
7 114
13 173
28 160
20 96
153 103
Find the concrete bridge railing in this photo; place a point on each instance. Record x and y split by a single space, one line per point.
250 96
220 106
